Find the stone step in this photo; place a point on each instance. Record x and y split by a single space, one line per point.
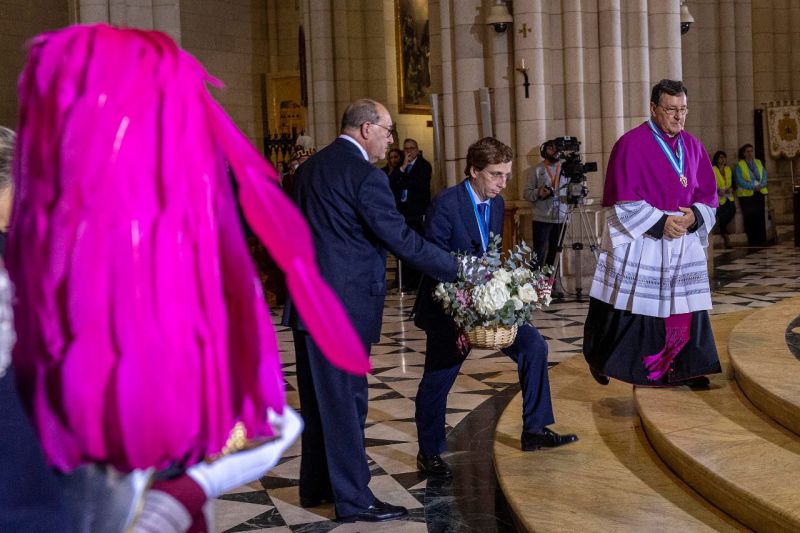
724 447
766 368
611 479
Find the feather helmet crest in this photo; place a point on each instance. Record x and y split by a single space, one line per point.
143 335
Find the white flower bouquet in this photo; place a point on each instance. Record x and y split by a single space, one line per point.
496 293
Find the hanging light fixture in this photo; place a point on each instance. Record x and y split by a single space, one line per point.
686 18
499 17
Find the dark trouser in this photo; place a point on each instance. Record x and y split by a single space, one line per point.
753 214
334 408
442 363
30 499
725 214
412 276
545 241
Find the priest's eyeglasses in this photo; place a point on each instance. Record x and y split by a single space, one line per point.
675 111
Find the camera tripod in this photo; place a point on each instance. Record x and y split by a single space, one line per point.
583 230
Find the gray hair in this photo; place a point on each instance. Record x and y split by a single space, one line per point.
359 112
7 141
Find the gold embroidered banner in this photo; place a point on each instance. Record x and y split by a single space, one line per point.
783 123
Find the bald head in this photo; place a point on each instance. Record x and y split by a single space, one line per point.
369 123
361 111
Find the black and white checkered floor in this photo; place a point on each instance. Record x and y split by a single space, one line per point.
744 278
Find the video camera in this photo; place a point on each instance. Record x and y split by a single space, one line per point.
568 151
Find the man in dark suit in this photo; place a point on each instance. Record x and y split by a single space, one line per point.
352 215
412 186
460 219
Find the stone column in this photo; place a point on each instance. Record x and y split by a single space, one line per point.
664 22
374 73
437 159
463 74
502 81
323 121
273 47
575 82
346 59
637 81
612 87
161 15
745 77
346 65
583 65
729 93
167 18
531 112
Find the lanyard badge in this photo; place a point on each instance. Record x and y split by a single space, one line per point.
675 160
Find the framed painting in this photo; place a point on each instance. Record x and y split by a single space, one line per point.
286 113
413 54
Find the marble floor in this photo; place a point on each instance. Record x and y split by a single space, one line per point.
744 278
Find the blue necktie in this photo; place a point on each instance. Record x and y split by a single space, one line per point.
482 212
484 221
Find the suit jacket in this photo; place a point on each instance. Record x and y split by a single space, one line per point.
418 184
451 224
396 179
353 219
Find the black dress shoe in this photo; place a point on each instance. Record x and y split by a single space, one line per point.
546 439
700 382
377 512
314 501
433 466
598 377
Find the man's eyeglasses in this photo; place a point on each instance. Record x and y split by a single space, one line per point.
675 111
498 176
389 130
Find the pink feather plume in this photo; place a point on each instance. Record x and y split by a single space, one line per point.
143 335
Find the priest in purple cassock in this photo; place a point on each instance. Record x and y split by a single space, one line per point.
648 313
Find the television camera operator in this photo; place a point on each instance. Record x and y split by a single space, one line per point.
546 188
554 185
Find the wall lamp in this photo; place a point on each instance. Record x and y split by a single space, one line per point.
686 18
499 17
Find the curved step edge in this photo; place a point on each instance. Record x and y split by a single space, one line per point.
750 507
765 369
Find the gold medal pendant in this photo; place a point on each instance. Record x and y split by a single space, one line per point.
684 181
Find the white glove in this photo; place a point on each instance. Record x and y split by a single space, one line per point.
237 469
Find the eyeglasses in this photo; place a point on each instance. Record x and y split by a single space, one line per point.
498 176
675 111
389 130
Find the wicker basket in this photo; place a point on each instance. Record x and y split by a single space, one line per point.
492 338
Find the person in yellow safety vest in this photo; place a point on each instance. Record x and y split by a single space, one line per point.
751 189
727 206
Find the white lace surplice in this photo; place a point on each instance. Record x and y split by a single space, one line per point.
648 276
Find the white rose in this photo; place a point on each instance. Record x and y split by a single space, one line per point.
491 297
517 303
521 274
527 293
547 299
440 293
502 275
